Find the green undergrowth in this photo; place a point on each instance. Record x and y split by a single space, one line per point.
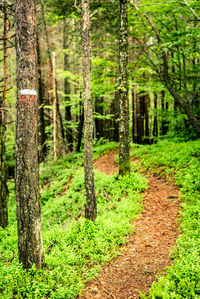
81 246
182 160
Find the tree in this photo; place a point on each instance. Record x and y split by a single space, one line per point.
172 51
90 209
124 159
68 116
3 175
30 244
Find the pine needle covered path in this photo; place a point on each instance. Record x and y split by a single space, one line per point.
146 252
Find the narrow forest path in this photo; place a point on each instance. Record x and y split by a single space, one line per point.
146 252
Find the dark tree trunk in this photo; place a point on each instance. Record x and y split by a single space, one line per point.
116 117
155 123
42 139
164 125
30 244
124 158
99 121
68 116
141 118
134 114
90 209
80 128
147 118
3 176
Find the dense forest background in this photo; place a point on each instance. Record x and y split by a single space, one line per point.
159 75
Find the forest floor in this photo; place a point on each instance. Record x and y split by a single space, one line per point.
146 252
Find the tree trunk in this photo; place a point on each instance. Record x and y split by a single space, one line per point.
55 114
90 209
42 139
147 118
80 128
3 176
155 123
68 116
30 244
116 116
124 159
99 121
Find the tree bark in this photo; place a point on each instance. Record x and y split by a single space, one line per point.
3 168
30 244
90 209
124 158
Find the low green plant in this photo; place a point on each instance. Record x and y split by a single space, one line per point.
81 246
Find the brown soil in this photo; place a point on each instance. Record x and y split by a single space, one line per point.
146 252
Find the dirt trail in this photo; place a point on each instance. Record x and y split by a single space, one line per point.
146 252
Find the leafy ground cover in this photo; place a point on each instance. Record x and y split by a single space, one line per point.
79 247
182 160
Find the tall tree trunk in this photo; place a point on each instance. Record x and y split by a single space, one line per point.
164 125
141 118
155 123
147 118
124 158
68 116
55 113
80 128
99 121
42 138
116 117
134 114
30 244
90 209
3 176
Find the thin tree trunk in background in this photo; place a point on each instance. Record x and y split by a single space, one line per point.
134 114
90 209
68 116
99 121
80 128
124 158
3 168
147 118
155 123
142 116
30 244
164 125
55 129
42 138
116 116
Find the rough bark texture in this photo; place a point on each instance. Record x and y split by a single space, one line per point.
3 176
90 209
124 158
30 244
68 116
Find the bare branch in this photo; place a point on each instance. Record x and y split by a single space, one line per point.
75 5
